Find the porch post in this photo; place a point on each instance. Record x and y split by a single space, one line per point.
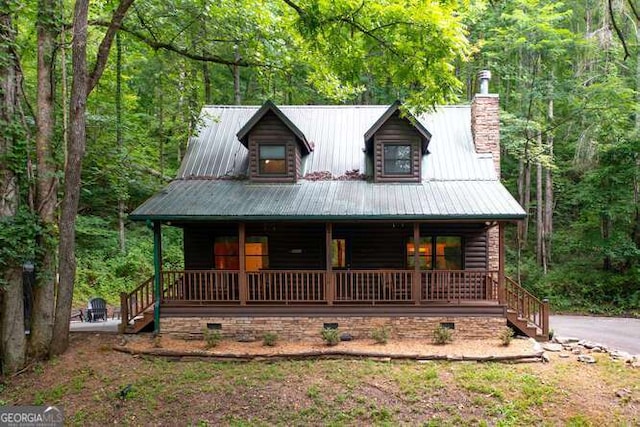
417 286
157 273
501 260
242 275
328 280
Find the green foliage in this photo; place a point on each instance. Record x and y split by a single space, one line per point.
104 270
442 335
17 237
212 338
506 336
380 335
330 336
270 339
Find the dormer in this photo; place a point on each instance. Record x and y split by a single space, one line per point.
275 145
397 141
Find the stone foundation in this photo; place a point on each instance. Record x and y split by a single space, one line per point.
308 328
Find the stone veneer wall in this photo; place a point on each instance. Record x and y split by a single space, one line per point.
485 128
301 328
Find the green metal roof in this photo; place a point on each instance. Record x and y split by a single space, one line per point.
207 200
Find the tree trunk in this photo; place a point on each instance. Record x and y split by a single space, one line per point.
540 237
13 342
237 96
75 150
47 187
122 185
81 86
207 83
548 187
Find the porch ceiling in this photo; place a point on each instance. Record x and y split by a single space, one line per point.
207 200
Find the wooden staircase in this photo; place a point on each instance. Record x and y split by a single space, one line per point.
525 312
137 308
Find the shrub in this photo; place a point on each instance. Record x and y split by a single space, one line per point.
506 335
442 335
270 339
380 335
330 336
212 338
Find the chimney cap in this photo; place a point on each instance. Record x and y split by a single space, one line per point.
484 76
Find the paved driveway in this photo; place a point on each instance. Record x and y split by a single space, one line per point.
620 333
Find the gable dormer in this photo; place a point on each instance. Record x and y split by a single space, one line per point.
397 143
275 145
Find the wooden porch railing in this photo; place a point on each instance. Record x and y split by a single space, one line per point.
134 303
201 285
526 305
312 286
459 285
373 286
286 286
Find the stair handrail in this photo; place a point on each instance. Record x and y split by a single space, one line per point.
134 303
527 305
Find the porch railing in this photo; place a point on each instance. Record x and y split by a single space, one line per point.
459 285
373 286
314 286
201 286
277 286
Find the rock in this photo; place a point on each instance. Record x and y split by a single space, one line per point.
545 358
564 355
565 340
245 337
585 358
577 350
623 393
346 336
597 350
620 355
549 346
635 364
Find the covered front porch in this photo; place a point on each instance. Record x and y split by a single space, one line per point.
346 269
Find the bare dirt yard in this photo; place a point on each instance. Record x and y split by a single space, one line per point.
96 385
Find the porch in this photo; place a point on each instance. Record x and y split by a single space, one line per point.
337 293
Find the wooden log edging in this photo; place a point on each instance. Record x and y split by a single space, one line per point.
330 354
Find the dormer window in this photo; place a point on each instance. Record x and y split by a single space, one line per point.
396 143
276 145
397 159
272 159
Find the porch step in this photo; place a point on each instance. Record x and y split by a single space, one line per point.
140 322
524 326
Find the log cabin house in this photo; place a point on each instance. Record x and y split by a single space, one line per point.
297 218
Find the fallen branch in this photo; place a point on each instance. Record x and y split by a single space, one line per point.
329 354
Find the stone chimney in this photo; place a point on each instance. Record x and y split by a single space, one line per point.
485 120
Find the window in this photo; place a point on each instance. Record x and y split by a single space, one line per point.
272 159
448 254
339 253
426 258
256 253
226 253
439 253
397 159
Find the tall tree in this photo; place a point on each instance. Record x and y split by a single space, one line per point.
13 343
82 85
47 184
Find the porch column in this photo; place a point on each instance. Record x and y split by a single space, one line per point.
157 273
242 274
501 260
329 293
417 285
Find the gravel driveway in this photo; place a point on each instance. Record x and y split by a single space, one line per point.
620 333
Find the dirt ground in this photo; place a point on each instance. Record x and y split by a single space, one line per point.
96 385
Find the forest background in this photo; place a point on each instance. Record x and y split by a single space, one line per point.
568 76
